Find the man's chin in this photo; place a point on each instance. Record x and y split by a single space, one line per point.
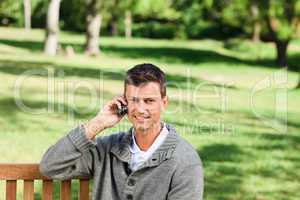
145 126
142 127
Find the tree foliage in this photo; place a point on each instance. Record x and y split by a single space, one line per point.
10 12
174 18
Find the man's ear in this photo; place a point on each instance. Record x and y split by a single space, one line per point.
165 101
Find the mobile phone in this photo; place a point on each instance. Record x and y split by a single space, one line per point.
122 111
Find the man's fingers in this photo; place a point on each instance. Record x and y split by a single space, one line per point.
116 102
121 99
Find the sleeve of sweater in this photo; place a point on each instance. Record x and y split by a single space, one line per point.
73 155
187 183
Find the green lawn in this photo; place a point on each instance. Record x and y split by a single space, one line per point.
249 149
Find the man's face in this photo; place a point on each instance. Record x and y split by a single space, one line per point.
145 104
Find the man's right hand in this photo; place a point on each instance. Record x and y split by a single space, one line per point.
107 117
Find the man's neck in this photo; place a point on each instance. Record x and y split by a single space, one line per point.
144 139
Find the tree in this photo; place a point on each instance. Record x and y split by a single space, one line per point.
128 24
93 25
155 19
212 18
120 9
256 21
27 13
96 10
52 28
298 85
73 14
10 12
282 19
128 7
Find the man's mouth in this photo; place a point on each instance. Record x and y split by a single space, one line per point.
141 118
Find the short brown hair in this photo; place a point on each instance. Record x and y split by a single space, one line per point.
145 73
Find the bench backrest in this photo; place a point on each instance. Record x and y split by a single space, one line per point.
29 173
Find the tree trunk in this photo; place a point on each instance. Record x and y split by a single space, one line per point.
93 21
52 28
281 48
256 32
128 22
27 14
256 25
113 27
298 85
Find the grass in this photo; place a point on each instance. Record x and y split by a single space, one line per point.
248 148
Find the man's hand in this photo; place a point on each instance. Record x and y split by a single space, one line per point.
106 118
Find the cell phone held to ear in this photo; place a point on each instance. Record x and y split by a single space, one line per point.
122 111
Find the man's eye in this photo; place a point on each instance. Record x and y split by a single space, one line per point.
149 100
134 100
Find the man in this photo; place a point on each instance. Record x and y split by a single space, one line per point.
149 162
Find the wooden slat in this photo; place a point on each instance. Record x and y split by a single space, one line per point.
11 189
23 172
20 172
65 190
28 192
83 190
47 190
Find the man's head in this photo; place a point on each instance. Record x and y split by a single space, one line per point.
145 92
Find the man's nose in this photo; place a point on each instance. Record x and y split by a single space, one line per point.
140 107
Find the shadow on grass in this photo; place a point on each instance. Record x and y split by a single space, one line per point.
287 140
41 69
293 124
293 63
222 176
9 107
165 54
171 55
293 56
227 167
24 44
271 144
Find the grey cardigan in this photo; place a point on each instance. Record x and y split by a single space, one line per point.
173 172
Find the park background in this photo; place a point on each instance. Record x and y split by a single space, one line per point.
232 74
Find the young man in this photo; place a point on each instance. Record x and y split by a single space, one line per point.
149 162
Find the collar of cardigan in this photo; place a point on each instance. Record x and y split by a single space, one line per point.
165 150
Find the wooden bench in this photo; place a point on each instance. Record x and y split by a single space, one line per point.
28 173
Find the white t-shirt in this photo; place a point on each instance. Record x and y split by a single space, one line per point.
138 157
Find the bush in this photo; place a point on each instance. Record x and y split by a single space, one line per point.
201 29
154 30
10 13
72 15
39 15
